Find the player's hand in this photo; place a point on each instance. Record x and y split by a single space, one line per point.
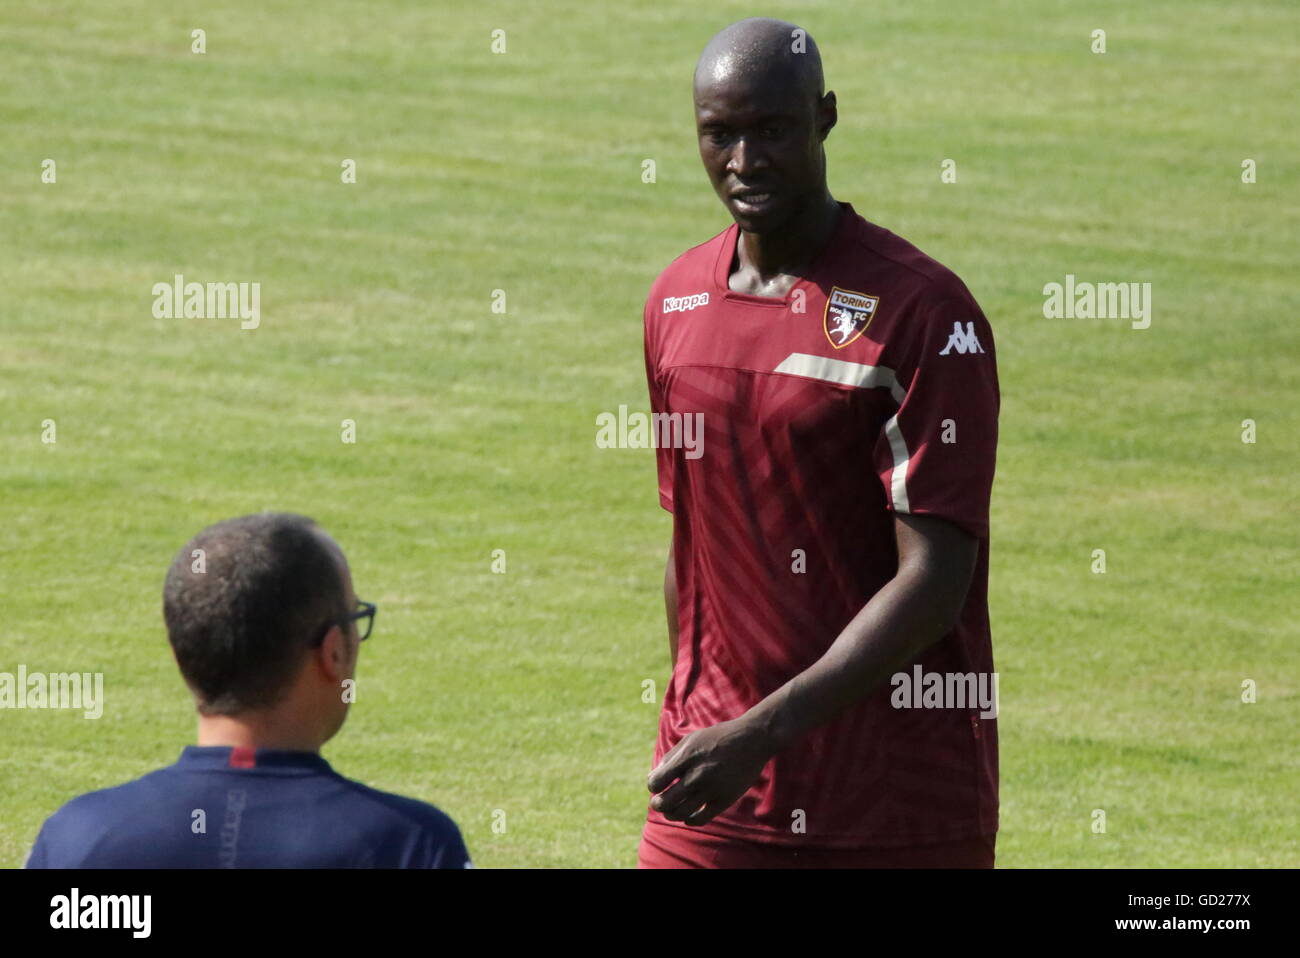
706 772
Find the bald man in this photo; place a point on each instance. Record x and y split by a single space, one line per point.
826 584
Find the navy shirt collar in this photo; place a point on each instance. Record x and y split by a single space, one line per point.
206 757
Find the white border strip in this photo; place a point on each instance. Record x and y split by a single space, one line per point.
898 478
845 373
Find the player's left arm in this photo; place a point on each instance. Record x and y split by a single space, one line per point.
713 767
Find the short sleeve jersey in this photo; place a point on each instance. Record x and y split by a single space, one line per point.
869 390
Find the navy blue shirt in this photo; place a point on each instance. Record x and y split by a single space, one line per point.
245 808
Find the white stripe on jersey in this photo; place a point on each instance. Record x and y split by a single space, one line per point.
865 377
845 373
898 478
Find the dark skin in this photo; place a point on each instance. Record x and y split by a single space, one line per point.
764 134
776 148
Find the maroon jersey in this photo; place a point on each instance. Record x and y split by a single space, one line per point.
870 389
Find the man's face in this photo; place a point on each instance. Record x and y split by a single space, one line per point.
760 146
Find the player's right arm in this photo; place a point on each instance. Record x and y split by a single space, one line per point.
670 602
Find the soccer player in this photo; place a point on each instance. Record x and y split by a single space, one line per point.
266 631
834 532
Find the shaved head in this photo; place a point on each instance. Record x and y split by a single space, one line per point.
758 49
762 115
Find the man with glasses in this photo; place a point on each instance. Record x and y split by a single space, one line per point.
266 629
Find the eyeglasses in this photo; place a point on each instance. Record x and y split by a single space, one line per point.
366 610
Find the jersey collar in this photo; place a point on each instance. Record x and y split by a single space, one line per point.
208 757
722 267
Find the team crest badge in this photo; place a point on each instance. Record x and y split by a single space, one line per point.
847 315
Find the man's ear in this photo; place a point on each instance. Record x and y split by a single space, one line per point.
332 655
828 114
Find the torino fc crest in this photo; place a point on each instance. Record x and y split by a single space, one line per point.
847 315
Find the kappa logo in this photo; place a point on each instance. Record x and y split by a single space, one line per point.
847 315
964 341
684 304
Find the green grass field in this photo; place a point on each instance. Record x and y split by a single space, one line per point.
477 171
